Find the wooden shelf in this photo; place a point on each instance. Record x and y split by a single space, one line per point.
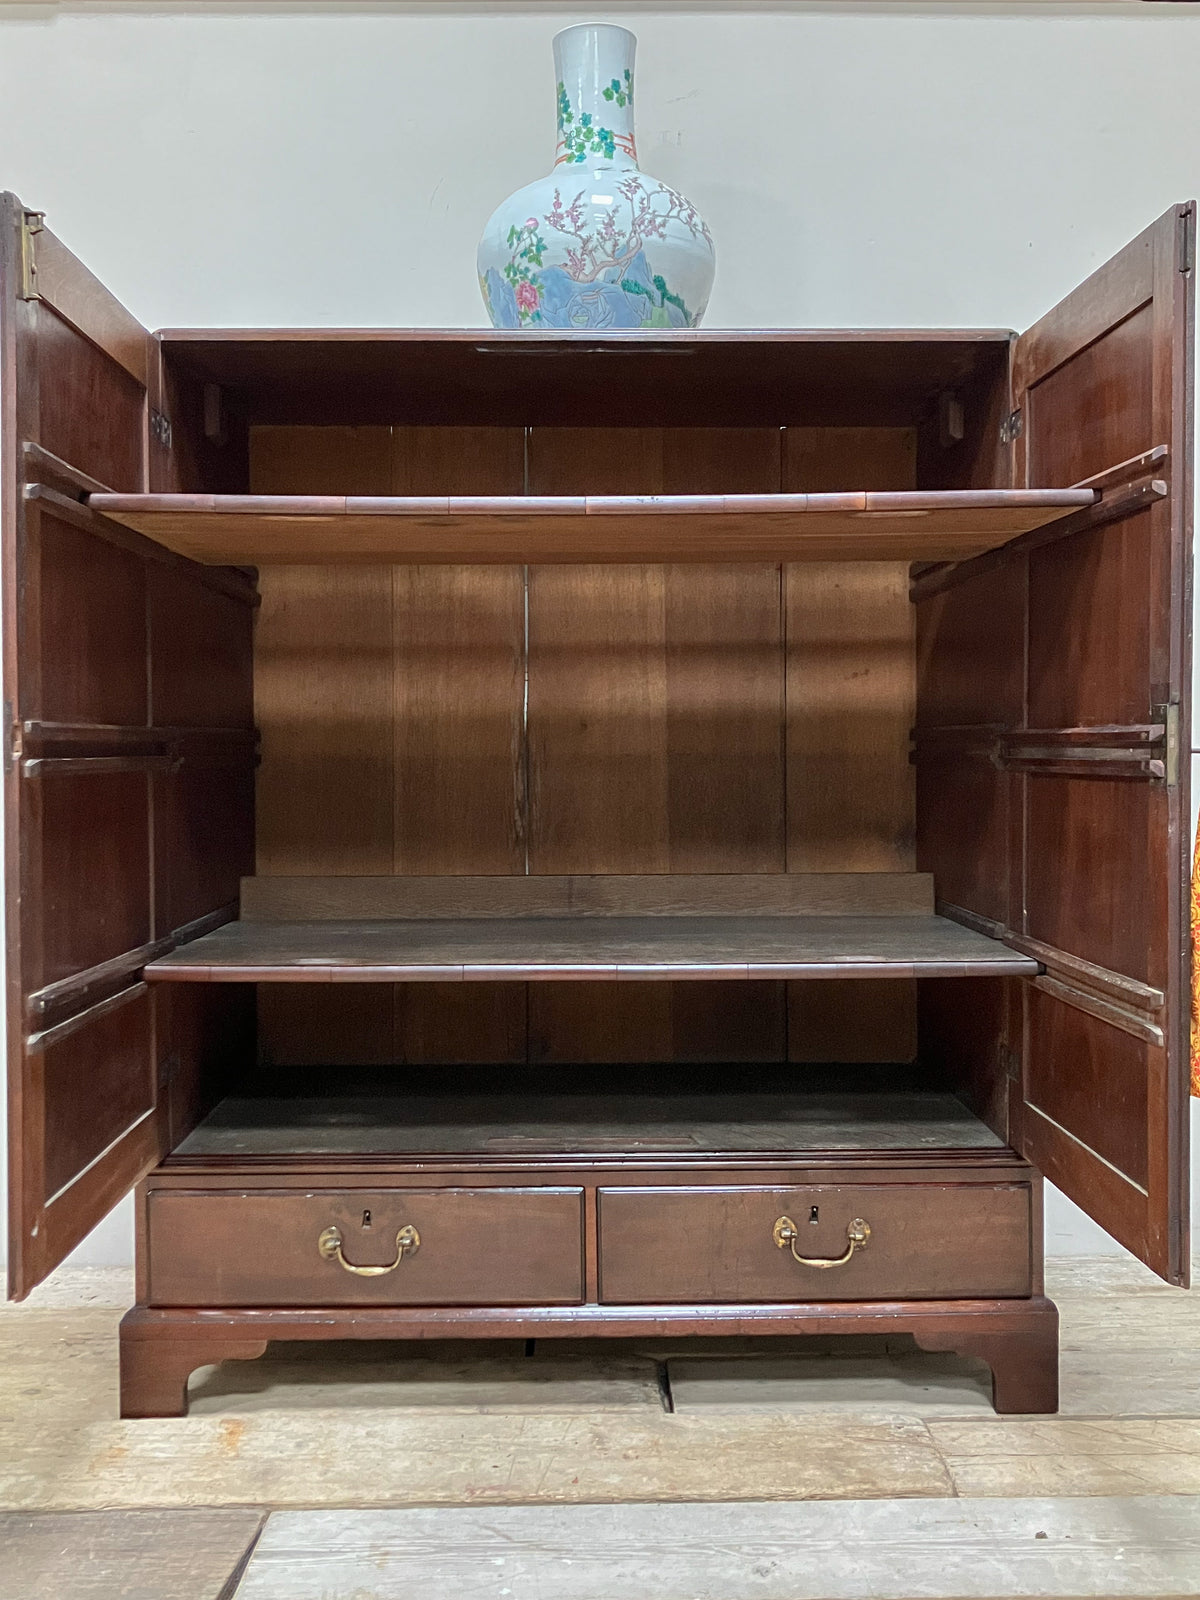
266 530
419 1120
607 948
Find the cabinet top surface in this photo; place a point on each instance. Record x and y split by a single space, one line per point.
678 338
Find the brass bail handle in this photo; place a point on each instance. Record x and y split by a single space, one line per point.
858 1232
408 1242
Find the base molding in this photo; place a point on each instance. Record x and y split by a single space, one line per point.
161 1347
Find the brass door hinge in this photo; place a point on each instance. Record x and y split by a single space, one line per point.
14 741
1168 715
32 223
1012 427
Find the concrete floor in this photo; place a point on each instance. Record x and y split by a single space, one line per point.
461 1430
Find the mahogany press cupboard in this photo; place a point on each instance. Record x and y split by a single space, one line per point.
541 834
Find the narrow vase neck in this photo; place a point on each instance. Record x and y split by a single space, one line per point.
594 69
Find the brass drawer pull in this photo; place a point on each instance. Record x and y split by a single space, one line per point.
408 1242
857 1234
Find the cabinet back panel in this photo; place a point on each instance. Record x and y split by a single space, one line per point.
462 720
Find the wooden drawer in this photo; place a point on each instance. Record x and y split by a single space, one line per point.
490 1247
927 1242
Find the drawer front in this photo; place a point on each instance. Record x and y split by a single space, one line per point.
926 1242
461 1247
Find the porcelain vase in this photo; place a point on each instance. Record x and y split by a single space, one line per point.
598 243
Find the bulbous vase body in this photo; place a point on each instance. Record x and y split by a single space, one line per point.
598 243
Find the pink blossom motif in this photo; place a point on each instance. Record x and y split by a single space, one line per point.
527 296
531 222
606 246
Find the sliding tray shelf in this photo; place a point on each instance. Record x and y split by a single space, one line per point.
589 947
266 530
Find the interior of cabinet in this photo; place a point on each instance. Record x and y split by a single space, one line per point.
610 725
998 738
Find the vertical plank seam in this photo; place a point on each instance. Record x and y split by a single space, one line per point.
525 819
396 1023
785 990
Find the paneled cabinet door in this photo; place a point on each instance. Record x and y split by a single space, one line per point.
1052 744
1104 379
128 778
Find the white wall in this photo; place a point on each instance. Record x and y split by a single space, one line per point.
860 164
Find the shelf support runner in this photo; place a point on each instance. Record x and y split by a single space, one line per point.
1124 489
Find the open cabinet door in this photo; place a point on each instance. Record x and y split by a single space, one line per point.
128 756
1100 847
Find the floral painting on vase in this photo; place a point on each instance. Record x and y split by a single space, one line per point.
598 243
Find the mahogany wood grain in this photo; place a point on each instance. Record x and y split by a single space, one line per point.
93 606
723 757
64 286
849 712
710 1244
502 1118
875 1022
1102 378
654 727
850 689
690 378
323 643
274 899
1106 907
488 1247
458 718
438 687
326 783
90 408
1017 1338
853 526
201 644
89 806
591 948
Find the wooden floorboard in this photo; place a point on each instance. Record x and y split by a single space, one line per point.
584 1421
124 1555
881 1550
